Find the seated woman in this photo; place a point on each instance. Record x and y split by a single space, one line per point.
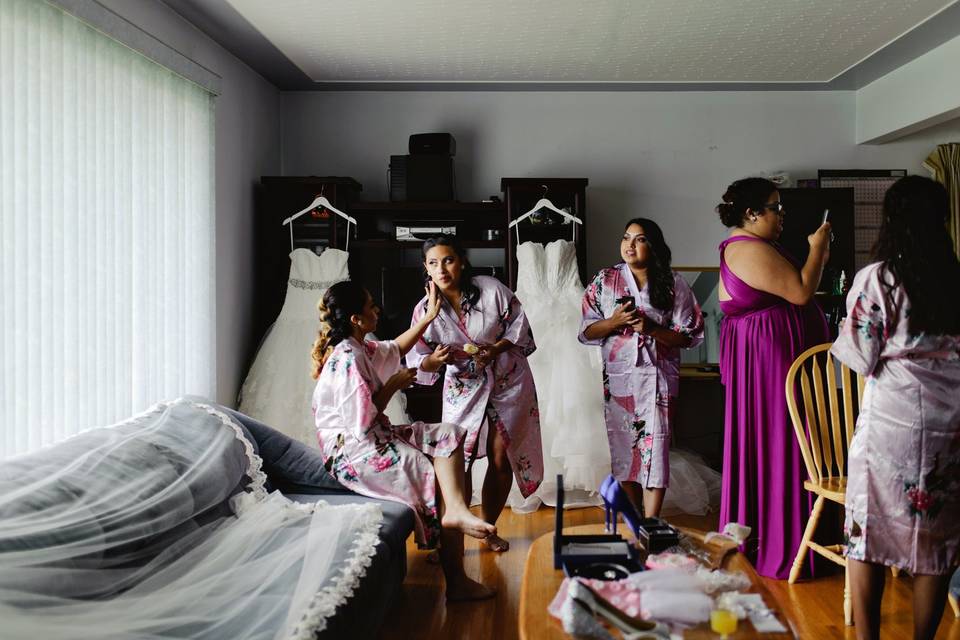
367 454
903 333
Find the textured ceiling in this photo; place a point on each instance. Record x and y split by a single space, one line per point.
579 41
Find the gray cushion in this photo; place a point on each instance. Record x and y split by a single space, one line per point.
397 517
290 465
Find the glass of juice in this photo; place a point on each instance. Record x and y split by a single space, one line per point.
723 622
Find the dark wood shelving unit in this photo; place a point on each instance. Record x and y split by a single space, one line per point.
520 194
422 207
804 215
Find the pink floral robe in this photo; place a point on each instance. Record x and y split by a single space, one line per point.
503 394
366 453
640 376
903 485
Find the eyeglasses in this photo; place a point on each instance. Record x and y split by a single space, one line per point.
774 206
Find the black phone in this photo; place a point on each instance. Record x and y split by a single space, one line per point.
626 300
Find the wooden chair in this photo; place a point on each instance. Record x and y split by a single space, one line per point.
824 434
954 592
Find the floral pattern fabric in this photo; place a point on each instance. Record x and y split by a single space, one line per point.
903 486
503 395
363 450
640 376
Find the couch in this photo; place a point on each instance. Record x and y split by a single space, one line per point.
153 512
297 471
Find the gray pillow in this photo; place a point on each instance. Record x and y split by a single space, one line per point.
290 465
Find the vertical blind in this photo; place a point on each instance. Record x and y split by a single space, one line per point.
106 230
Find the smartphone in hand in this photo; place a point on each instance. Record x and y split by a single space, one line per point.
627 301
826 216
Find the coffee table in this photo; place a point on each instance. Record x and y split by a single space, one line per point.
541 581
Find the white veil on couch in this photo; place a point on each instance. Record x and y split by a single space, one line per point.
162 527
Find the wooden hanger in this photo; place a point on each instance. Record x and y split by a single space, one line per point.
544 203
320 202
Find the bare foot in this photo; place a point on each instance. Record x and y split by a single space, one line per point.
468 523
464 589
496 543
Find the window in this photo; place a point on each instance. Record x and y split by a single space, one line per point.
106 230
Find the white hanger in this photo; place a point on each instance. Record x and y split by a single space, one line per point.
321 202
543 203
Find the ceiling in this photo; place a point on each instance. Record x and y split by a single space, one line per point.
688 43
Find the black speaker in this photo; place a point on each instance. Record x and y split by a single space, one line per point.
442 144
426 178
398 178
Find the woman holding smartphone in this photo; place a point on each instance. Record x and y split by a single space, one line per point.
769 318
482 336
641 313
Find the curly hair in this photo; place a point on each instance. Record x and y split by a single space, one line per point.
338 303
659 273
915 249
748 193
468 290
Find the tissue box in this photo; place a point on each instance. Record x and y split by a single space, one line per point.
576 551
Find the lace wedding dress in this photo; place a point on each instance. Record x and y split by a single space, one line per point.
278 390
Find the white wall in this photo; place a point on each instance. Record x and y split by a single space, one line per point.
247 146
667 156
921 93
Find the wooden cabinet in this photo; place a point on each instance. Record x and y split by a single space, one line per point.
804 215
392 269
569 194
277 199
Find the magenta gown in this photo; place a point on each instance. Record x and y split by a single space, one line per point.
763 472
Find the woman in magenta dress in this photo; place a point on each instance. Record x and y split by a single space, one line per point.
769 319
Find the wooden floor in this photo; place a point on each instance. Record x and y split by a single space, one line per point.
816 607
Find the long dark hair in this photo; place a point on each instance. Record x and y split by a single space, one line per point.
659 273
914 246
341 301
747 193
468 290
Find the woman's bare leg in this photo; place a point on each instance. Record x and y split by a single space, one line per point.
653 501
635 492
496 485
457 514
929 599
866 592
459 586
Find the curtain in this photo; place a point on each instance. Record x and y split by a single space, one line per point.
944 163
106 230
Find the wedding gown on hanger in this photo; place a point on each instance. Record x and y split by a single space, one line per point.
278 390
569 383
568 379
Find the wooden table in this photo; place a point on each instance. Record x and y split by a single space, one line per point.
541 581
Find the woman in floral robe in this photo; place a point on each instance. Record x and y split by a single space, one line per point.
364 452
482 336
641 340
903 332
